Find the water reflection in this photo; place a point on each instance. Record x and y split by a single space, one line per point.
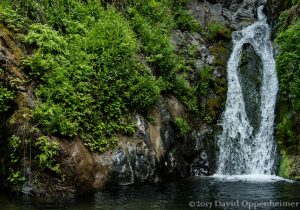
201 191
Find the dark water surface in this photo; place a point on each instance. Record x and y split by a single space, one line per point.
193 193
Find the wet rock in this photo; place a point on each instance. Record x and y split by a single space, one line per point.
183 41
155 153
251 78
133 162
120 169
218 72
84 166
204 162
237 14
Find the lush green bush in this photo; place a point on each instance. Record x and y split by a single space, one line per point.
285 166
6 95
48 151
217 31
15 177
186 92
14 144
289 3
288 68
11 18
90 78
182 126
92 72
153 22
288 63
183 18
206 75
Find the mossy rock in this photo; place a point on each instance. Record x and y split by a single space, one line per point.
21 116
213 103
8 42
221 52
285 166
289 167
224 34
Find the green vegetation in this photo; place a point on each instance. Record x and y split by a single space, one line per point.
182 126
218 31
91 71
11 18
289 16
289 3
15 178
285 166
6 95
14 144
153 22
45 152
288 63
203 87
90 94
183 19
48 153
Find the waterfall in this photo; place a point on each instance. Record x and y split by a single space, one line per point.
244 150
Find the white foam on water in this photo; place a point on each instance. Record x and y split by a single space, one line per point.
250 178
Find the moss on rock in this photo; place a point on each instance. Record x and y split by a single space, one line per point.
285 166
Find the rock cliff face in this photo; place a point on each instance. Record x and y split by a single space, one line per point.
156 152
10 55
237 14
273 10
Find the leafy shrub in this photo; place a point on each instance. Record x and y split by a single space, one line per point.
92 72
183 18
203 88
185 22
285 166
186 93
216 30
153 22
90 94
155 36
11 18
288 63
14 144
48 152
6 95
182 126
15 178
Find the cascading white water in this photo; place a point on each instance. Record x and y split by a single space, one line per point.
243 150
